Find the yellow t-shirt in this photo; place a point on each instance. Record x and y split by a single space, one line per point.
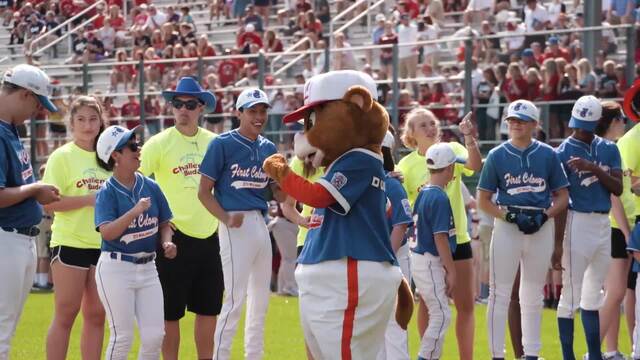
630 152
416 175
297 166
628 201
174 160
75 172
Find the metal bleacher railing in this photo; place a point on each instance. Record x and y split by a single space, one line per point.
275 129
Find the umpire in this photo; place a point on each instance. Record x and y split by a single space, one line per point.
23 92
193 279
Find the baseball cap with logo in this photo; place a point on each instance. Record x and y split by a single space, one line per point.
441 155
523 110
331 86
586 113
251 97
33 79
112 139
380 17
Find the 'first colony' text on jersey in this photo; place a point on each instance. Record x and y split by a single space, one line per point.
355 225
523 177
234 162
432 215
115 199
586 193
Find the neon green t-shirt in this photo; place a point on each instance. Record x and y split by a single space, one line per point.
627 198
630 152
174 160
75 172
415 173
297 166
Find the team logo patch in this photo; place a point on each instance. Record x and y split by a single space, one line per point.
256 94
406 206
520 106
584 112
338 180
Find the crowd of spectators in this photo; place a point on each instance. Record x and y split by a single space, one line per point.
538 68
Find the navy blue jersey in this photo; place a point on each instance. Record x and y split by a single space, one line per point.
115 199
586 192
634 246
235 164
398 207
356 224
523 177
16 170
432 215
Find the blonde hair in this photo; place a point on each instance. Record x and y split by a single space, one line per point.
408 138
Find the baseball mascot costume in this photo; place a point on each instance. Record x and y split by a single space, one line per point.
348 276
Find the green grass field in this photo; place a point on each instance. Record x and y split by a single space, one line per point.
283 335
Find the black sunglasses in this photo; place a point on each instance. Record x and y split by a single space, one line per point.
189 104
133 146
621 118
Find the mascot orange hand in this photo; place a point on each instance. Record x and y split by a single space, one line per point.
404 307
276 167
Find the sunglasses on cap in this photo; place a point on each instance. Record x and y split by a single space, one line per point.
189 104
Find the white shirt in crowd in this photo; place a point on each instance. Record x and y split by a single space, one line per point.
406 35
430 33
515 42
481 5
535 16
159 18
108 37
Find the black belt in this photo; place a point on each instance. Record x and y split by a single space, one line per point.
132 259
593 212
27 231
518 210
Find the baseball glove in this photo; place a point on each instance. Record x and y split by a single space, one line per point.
528 223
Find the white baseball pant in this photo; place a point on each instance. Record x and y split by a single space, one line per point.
428 275
510 248
246 263
636 329
396 343
17 270
345 306
586 256
131 291
285 234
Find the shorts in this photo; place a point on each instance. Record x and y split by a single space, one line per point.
193 279
299 249
386 61
60 129
75 257
463 252
631 279
618 245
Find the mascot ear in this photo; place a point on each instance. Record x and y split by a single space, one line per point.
360 96
631 103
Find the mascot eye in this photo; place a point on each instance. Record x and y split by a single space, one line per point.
312 119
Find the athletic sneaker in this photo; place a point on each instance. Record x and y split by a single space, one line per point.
37 288
617 356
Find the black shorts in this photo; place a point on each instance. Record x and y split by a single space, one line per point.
463 252
618 245
75 257
58 128
631 278
193 279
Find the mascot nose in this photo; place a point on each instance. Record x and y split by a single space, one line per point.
301 146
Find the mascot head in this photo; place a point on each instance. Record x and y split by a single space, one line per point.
340 113
631 103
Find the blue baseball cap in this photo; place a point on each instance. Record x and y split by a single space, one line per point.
188 86
553 40
586 113
523 110
250 97
527 52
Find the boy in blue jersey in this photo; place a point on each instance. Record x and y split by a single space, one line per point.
23 92
634 248
432 265
132 216
232 166
399 218
593 166
531 189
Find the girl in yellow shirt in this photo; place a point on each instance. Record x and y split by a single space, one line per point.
75 244
422 130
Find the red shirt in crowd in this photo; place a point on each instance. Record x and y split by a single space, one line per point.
117 23
438 99
302 7
553 94
98 22
249 37
275 46
227 70
533 91
411 7
131 109
563 53
509 89
208 51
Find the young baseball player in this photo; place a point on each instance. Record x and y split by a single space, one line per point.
531 188
132 216
421 132
594 169
232 166
193 280
634 248
24 90
75 245
432 265
399 218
